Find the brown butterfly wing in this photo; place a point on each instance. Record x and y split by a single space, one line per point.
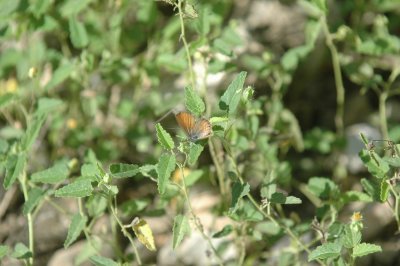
202 129
186 121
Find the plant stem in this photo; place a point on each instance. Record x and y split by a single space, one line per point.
183 38
269 217
24 186
395 211
124 231
340 91
196 219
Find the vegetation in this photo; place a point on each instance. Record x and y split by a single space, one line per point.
88 93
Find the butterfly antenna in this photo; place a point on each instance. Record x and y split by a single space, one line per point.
165 115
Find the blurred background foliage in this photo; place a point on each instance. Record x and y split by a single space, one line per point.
117 66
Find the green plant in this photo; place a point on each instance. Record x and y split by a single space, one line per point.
80 92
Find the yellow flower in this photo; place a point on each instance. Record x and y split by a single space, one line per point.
356 217
8 86
72 123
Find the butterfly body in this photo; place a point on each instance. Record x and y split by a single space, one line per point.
194 128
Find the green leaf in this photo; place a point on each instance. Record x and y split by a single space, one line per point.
165 166
78 223
40 7
325 251
378 171
3 146
202 24
393 161
5 99
73 7
280 198
47 106
181 228
61 74
352 195
132 207
351 237
383 196
194 153
224 232
77 189
90 169
14 166
363 249
193 176
52 175
323 187
78 35
123 170
21 251
238 191
32 132
35 195
230 99
164 138
372 187
96 205
292 57
3 250
193 102
102 261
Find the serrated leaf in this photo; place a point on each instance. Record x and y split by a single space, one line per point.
90 169
180 229
123 170
3 250
164 138
193 102
165 166
52 175
378 171
78 223
77 189
144 234
194 153
14 167
238 191
21 251
102 261
224 232
78 34
351 237
47 105
325 251
61 74
32 132
231 97
363 249
35 195
373 187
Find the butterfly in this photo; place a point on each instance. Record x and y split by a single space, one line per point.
195 128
